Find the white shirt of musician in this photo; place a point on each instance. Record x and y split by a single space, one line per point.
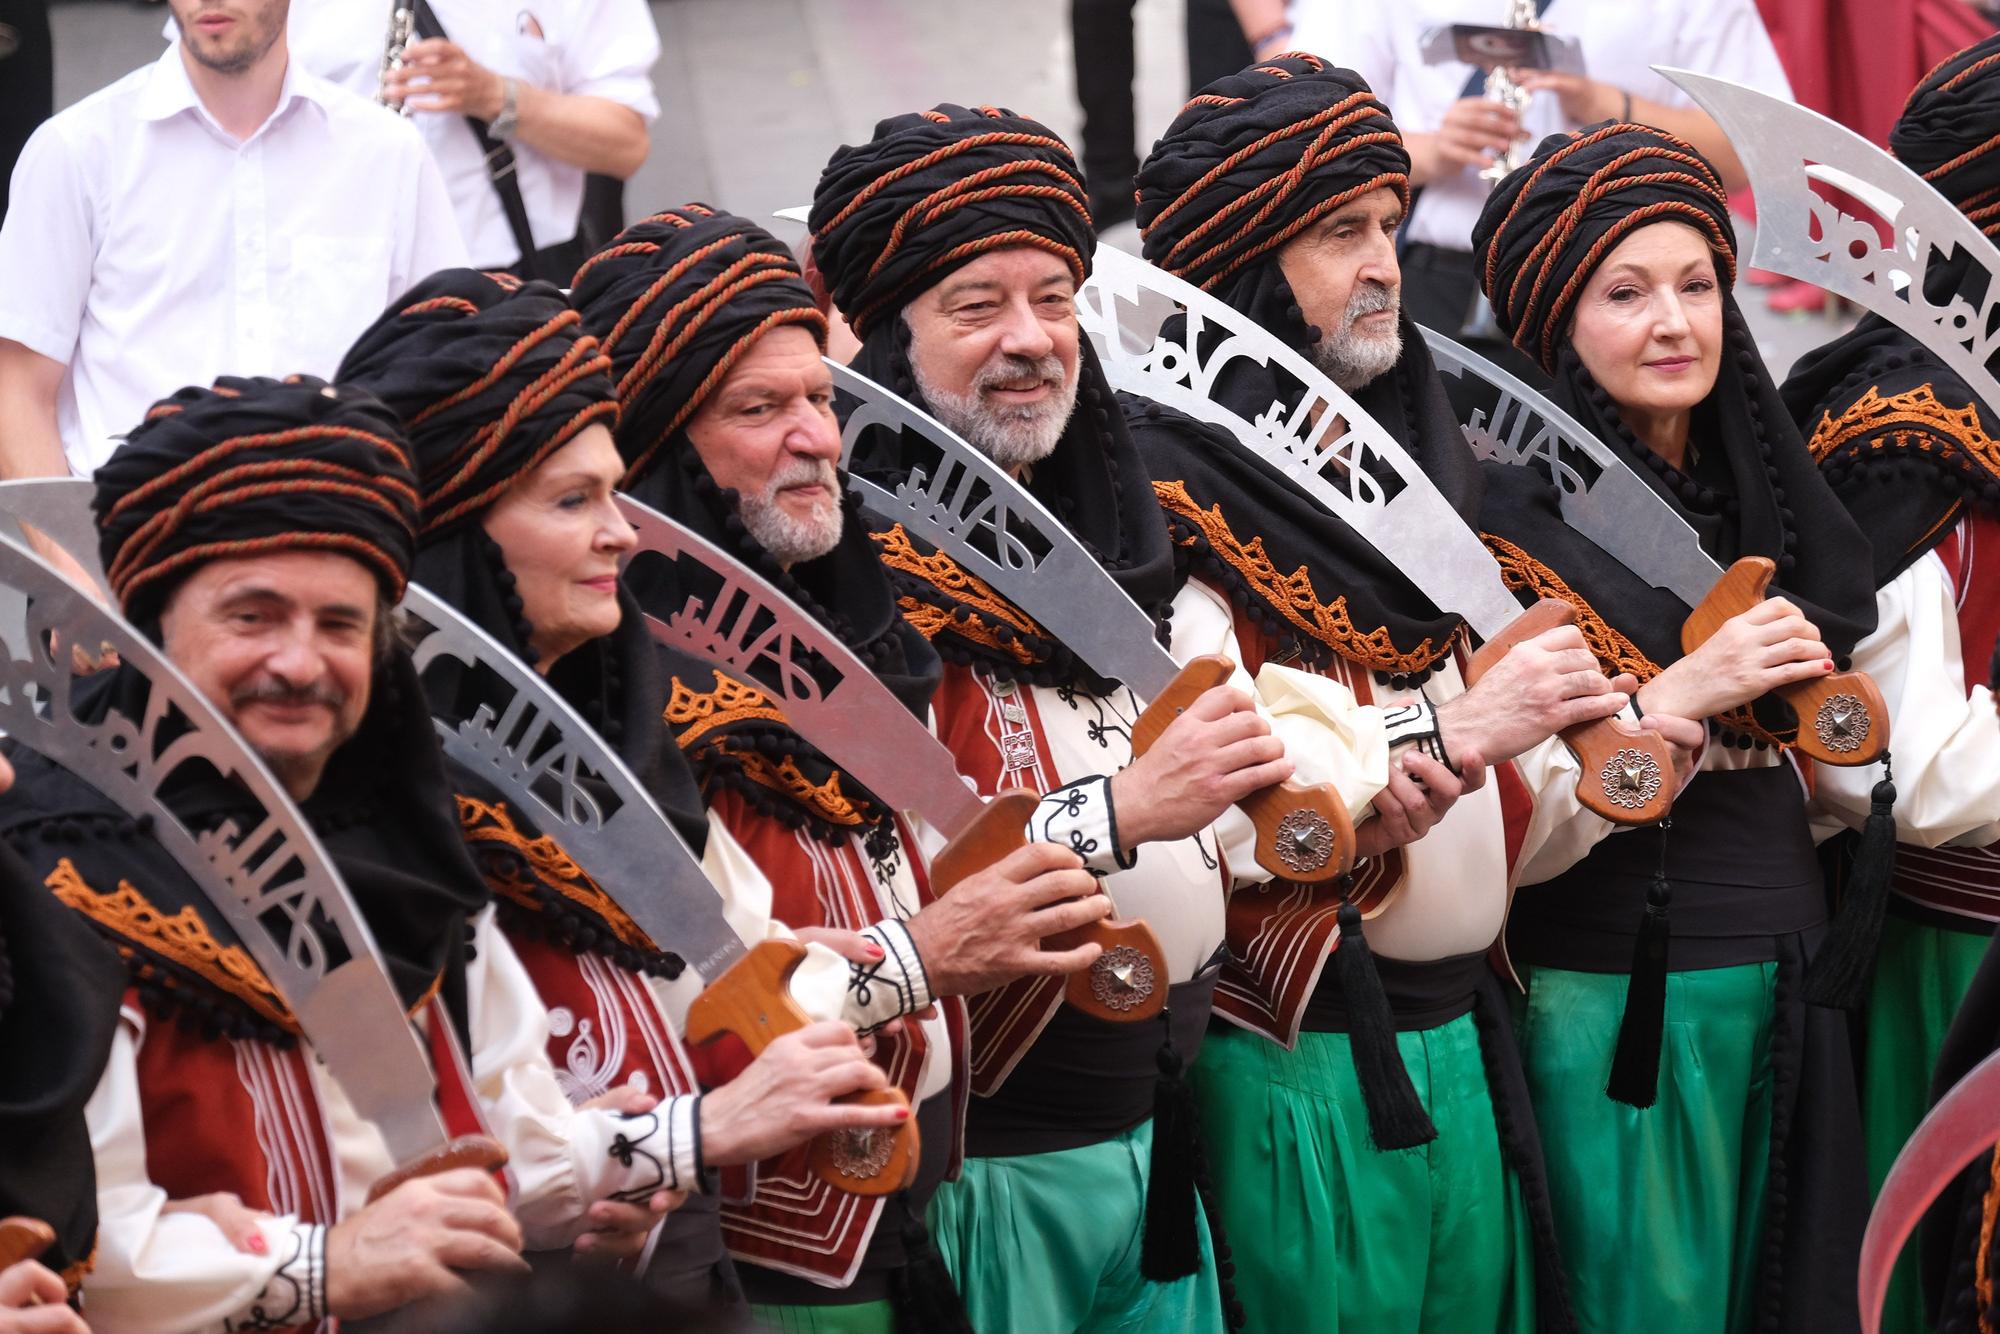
1621 40
593 48
147 249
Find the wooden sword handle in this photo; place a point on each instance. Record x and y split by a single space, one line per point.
1628 772
1303 832
1128 982
753 1000
23 1239
480 1151
1843 719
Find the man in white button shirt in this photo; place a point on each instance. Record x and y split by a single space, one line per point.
221 211
1454 132
565 86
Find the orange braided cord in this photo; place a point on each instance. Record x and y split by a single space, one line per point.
693 714
491 824
1292 595
968 590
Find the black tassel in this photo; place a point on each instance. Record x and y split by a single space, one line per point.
921 1292
1170 1246
1838 975
1396 1116
1635 1062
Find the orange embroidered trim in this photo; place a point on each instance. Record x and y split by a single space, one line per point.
825 799
183 937
1910 420
732 701
943 573
1613 650
1292 594
72 1277
1984 1276
491 823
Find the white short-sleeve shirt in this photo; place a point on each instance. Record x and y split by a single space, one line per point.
591 48
1622 40
147 249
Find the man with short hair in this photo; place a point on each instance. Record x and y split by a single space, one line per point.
219 211
954 241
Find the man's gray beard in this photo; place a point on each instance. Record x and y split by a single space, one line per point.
1012 437
788 538
1353 360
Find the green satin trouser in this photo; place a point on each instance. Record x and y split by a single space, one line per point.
855 1318
1048 1243
1330 1236
1660 1209
1921 974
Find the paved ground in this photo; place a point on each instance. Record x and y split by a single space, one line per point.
756 94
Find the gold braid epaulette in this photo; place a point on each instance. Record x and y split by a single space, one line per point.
1618 654
692 714
181 937
1912 420
491 823
1292 596
826 800
969 591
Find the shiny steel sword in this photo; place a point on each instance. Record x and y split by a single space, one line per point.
273 882
734 619
527 741
1784 148
1842 719
964 504
1345 462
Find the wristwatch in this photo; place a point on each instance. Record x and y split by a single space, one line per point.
509 119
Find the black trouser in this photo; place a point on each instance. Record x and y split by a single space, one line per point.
1101 42
27 80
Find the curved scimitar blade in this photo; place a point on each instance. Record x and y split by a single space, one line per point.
1803 234
1958 1130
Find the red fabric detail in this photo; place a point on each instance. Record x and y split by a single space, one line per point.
218 1112
625 1021
1971 556
458 1102
1858 63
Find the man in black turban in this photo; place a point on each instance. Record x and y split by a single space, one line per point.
954 241
1279 190
260 530
1910 450
1672 961
728 427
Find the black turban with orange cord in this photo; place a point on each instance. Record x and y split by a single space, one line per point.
930 193
490 375
249 467
1253 161
680 299
1949 132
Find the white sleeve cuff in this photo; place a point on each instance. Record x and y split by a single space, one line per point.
658 1150
1080 817
295 1295
892 988
1415 723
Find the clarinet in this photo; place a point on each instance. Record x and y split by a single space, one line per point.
402 27
1502 89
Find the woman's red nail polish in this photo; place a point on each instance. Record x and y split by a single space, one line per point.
902 1113
1827 666
258 1244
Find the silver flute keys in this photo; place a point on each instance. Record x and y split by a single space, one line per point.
402 27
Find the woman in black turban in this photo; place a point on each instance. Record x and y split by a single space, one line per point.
1911 451
509 406
1668 1036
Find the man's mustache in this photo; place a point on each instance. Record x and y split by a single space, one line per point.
278 692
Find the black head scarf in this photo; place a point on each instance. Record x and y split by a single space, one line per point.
59 991
931 192
1753 491
678 300
1251 162
250 468
1902 440
494 376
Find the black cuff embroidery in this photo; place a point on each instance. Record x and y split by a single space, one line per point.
1416 724
296 1293
629 1150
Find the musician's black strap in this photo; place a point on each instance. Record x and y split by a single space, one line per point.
500 167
